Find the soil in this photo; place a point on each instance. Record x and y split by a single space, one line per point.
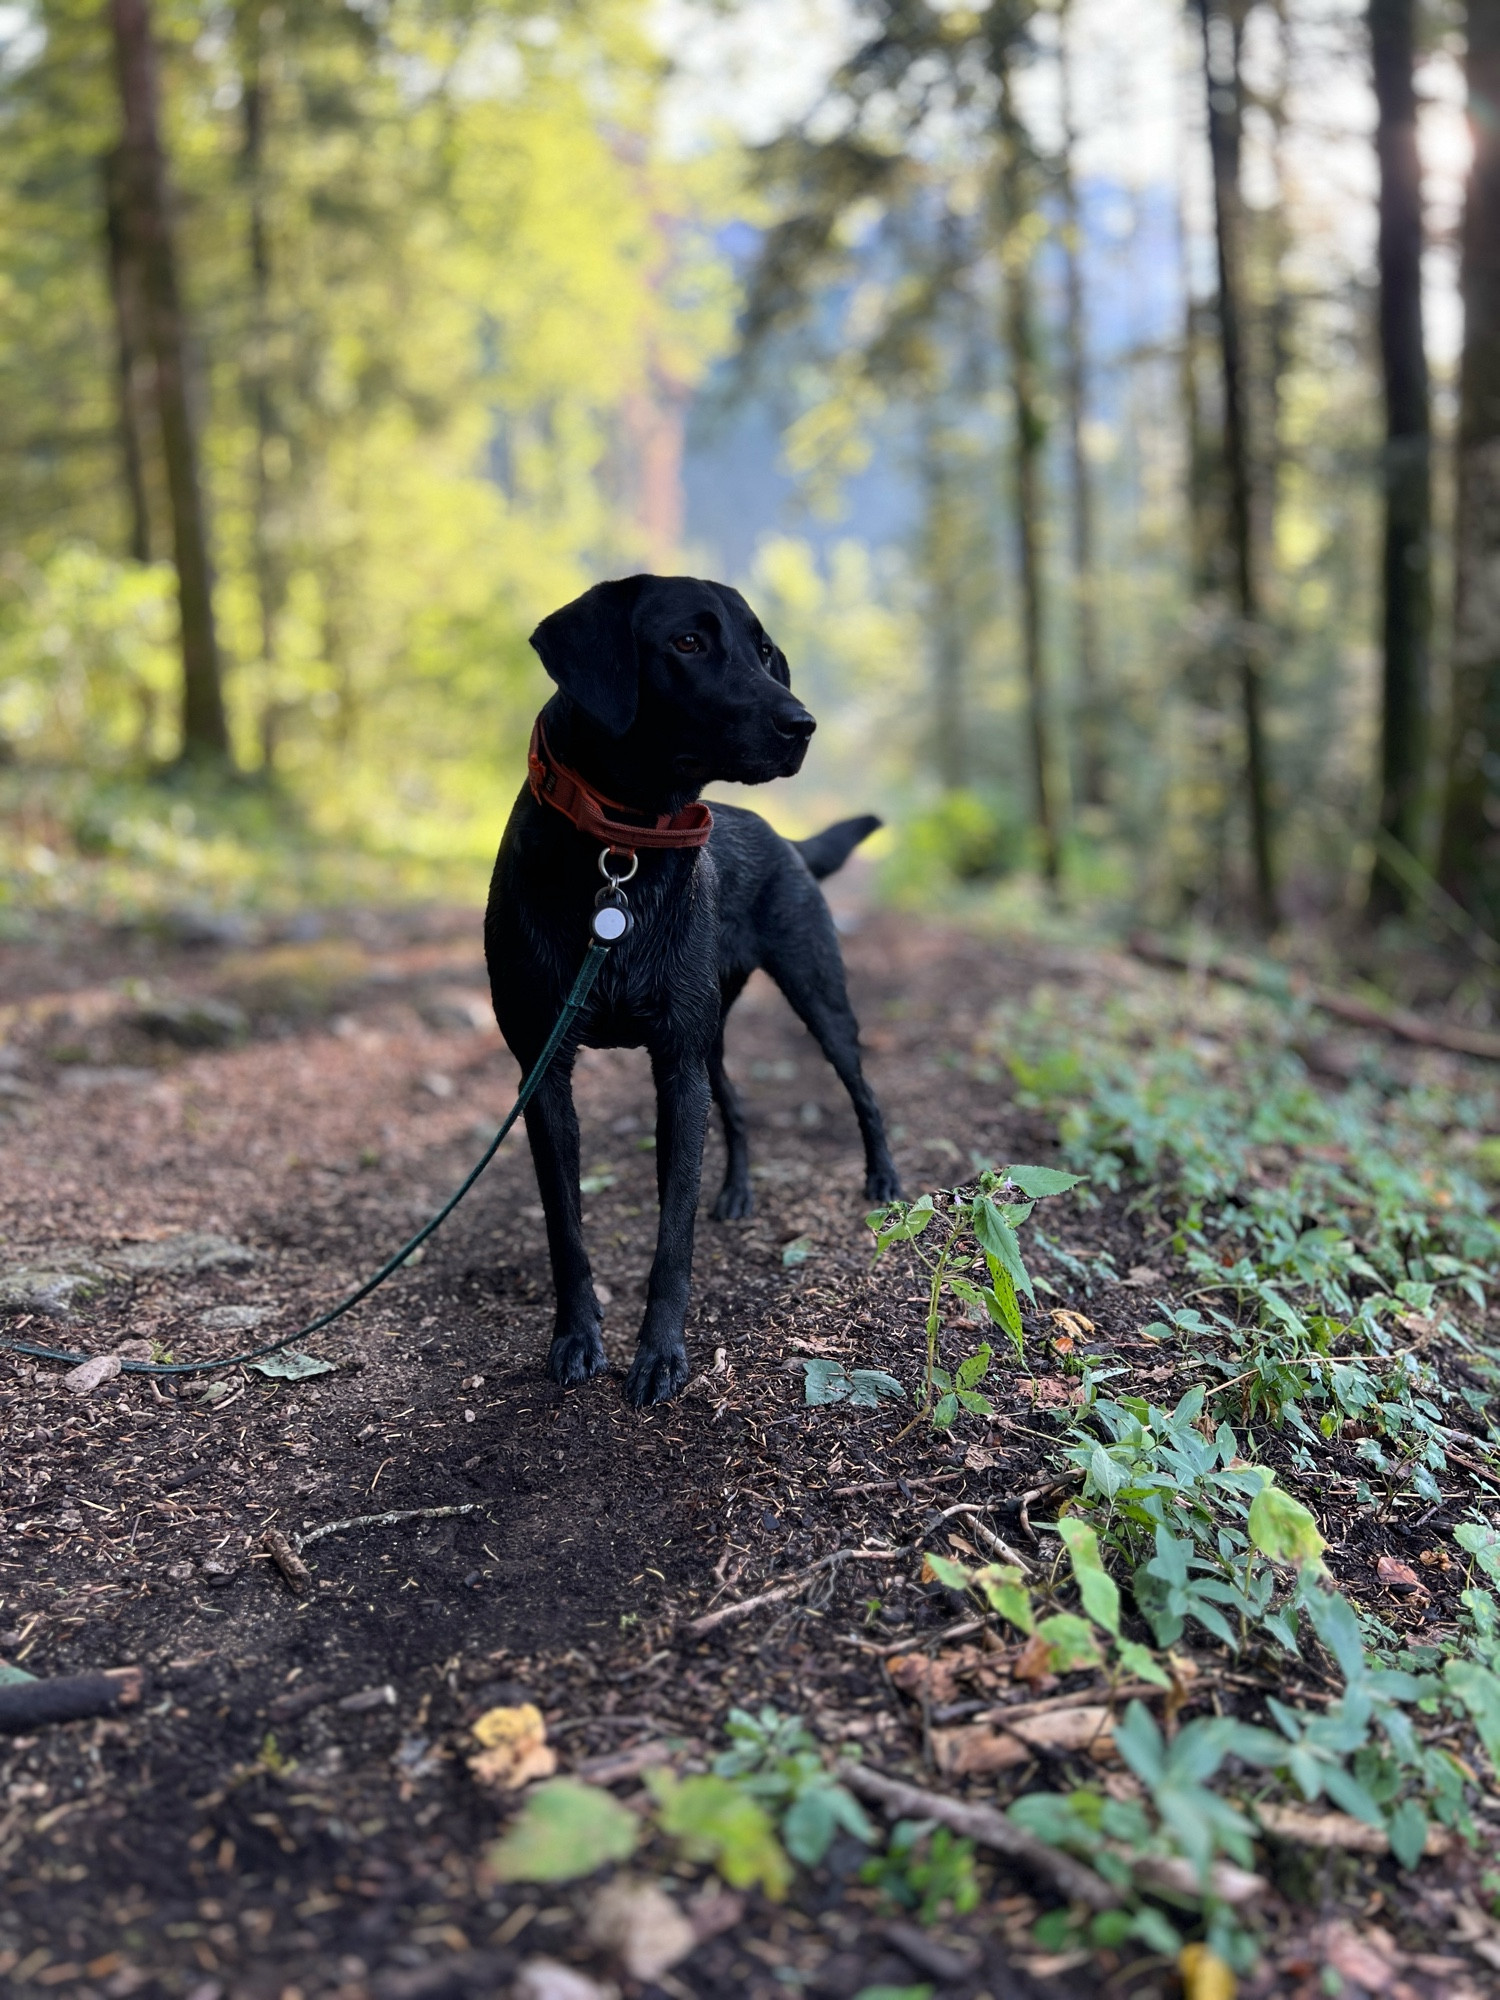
289 1811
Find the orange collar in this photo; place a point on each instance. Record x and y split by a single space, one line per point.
576 800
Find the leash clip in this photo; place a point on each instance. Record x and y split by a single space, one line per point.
609 874
612 919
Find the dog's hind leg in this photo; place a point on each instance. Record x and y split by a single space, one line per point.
735 1200
660 1367
811 975
552 1127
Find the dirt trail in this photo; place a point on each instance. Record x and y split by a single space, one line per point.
243 1834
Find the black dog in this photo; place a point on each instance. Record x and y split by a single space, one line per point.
665 683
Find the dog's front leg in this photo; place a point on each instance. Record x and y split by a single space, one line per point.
552 1127
660 1367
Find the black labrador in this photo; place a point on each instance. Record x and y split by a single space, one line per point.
664 684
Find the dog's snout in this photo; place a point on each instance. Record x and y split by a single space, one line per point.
797 724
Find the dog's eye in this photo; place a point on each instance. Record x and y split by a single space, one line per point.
767 651
688 642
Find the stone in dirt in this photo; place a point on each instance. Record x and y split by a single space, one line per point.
88 1375
193 1250
545 1979
200 1023
233 1319
642 1926
48 1288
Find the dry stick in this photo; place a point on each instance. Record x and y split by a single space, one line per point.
890 1485
990 1539
989 1828
390 1520
727 1613
26 1705
1398 1021
286 1559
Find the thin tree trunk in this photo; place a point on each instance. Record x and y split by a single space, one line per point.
148 232
1224 92
1469 867
125 299
1407 471
1026 450
945 621
1091 720
257 370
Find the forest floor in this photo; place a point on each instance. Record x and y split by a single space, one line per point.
290 1809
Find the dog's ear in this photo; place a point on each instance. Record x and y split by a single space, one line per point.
777 666
588 647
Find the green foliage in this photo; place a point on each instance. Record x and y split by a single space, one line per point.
565 1829
984 1223
777 1761
926 1868
717 1820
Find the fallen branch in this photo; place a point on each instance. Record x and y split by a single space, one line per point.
391 1520
893 1485
286 1559
26 1705
727 1613
1398 1021
1337 1830
989 1829
991 1540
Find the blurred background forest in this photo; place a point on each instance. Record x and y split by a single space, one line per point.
1100 403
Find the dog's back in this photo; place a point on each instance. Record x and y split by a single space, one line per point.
770 908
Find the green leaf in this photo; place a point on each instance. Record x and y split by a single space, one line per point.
1101 1600
1479 1691
797 1251
1483 1544
1143 1663
1070 1643
13 1676
1283 1529
1407 1831
1139 1742
565 1829
596 1183
900 1222
1001 1246
290 1366
1041 1181
825 1382
924 1990
868 1385
1334 1622
1107 1476
1005 1591
974 1368
1004 1307
718 1821
951 1575
946 1413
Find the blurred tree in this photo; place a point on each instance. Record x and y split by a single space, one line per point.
1407 461
1223 25
1469 865
145 223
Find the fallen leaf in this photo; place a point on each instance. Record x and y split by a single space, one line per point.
1139 1276
290 1366
565 1830
1048 1389
934 1680
1205 1976
1034 1663
1360 1960
1399 1576
1072 1323
513 1748
713 1910
545 1979
642 1926
977 1459
980 1747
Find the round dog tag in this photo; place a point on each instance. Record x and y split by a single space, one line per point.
611 923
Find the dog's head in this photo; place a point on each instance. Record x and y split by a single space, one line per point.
683 671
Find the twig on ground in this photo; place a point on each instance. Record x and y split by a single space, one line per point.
918 1640
1398 1021
286 1559
726 1613
391 1520
988 1536
26 1705
893 1485
986 1826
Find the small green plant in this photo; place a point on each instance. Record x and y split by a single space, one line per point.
953 1225
927 1869
776 1759
716 1820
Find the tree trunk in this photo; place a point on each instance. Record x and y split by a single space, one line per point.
1091 719
1407 475
148 233
1469 866
1225 93
257 371
126 302
944 540
1016 214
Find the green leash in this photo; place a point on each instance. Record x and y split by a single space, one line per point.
604 934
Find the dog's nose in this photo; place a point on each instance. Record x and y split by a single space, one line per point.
799 725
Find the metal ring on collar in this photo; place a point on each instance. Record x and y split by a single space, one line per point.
607 872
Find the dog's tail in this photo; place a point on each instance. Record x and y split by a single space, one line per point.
826 852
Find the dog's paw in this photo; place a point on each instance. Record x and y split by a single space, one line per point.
574 1357
735 1202
883 1183
656 1375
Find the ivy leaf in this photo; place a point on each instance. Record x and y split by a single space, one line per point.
1041 1181
566 1829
